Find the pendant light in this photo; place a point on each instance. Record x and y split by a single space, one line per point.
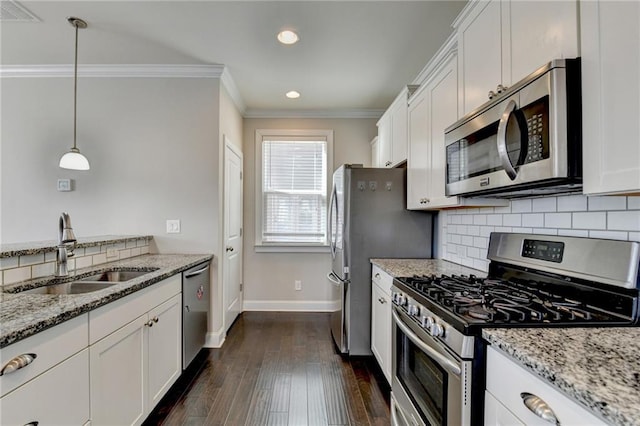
73 159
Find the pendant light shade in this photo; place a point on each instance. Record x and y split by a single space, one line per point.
73 159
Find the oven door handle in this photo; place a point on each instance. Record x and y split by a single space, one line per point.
501 140
444 362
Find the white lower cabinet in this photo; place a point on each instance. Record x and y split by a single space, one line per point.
59 396
511 389
133 367
381 319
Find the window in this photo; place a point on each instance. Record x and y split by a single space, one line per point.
292 187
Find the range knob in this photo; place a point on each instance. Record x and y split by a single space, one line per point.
437 330
428 323
423 321
413 310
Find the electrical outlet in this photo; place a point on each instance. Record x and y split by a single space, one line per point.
173 226
298 285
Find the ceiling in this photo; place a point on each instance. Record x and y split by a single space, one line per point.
352 55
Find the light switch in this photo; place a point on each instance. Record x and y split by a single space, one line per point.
173 226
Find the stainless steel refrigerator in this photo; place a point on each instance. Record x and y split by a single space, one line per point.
368 219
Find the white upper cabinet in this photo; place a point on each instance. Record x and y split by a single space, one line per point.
375 153
392 131
502 41
610 96
432 109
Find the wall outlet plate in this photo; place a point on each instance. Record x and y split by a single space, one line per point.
298 285
173 226
64 185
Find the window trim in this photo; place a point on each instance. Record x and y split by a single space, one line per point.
260 134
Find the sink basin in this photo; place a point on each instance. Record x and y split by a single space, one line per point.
118 276
74 287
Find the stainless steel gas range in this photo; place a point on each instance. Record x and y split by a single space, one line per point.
533 281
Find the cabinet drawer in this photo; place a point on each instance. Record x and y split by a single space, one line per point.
382 279
108 318
51 347
60 396
506 380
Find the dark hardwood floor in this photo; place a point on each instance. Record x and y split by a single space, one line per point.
277 368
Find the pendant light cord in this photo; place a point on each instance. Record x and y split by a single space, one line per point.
75 88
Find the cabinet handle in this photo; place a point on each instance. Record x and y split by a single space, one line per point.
491 94
500 88
539 407
388 163
228 249
377 275
381 300
150 323
155 319
33 423
17 363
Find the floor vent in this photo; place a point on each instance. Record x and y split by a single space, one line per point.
12 11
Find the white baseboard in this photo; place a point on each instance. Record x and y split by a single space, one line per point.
215 339
291 305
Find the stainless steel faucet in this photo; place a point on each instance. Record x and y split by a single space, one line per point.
66 243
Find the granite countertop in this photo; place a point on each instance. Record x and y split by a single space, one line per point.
598 367
410 267
22 315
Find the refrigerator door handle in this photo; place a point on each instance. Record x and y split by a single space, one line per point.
336 280
333 203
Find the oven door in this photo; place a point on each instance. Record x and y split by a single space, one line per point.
431 385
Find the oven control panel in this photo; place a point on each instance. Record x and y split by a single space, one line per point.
422 316
550 251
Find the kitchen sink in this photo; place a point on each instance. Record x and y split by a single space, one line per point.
74 287
118 276
91 283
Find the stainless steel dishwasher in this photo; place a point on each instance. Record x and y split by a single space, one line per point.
196 299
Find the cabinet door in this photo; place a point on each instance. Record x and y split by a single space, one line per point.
611 96
419 151
496 414
165 348
375 153
480 41
540 31
381 329
59 396
384 141
399 131
118 376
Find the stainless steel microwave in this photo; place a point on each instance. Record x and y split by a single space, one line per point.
525 141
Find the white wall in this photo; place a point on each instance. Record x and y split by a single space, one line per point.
152 145
269 277
464 233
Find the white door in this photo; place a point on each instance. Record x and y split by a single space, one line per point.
232 254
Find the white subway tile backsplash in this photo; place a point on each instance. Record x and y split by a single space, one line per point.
512 220
494 219
485 231
533 219
124 254
557 220
607 203
591 220
92 250
572 203
15 275
522 230
467 240
462 229
503 229
130 243
467 219
135 252
481 264
99 258
42 270
473 230
634 236
455 219
633 203
8 262
521 206
481 242
624 221
50 256
545 231
455 239
144 250
84 262
480 219
573 233
31 259
504 209
544 204
611 235
473 252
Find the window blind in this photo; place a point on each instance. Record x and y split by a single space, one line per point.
294 191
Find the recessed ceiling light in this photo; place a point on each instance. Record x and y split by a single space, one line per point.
288 37
292 94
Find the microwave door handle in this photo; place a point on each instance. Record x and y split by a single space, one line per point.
502 140
439 358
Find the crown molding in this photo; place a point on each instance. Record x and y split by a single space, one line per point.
318 113
126 70
229 84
